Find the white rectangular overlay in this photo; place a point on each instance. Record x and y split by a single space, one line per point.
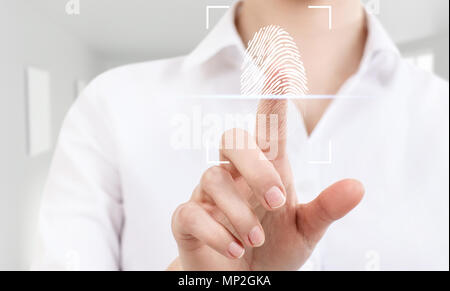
39 111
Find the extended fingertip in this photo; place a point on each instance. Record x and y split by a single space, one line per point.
275 198
235 250
353 188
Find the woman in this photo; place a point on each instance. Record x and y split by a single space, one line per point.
117 177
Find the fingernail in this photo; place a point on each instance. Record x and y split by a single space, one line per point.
256 236
275 198
235 250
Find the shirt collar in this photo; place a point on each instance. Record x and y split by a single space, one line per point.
378 39
225 36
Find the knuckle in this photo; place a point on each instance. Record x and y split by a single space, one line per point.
244 220
184 214
213 176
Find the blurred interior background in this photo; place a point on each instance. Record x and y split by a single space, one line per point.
75 40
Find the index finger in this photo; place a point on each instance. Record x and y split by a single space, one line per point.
271 127
272 66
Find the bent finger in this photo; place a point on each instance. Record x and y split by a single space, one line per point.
192 224
220 186
250 162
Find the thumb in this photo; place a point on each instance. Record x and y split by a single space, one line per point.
332 204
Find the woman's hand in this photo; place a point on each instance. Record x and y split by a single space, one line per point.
244 215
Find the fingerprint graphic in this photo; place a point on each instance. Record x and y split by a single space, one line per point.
272 65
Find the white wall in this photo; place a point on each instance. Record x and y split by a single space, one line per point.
437 44
26 38
419 26
409 20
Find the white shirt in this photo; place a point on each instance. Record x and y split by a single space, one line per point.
120 169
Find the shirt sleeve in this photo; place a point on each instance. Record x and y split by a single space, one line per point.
81 213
